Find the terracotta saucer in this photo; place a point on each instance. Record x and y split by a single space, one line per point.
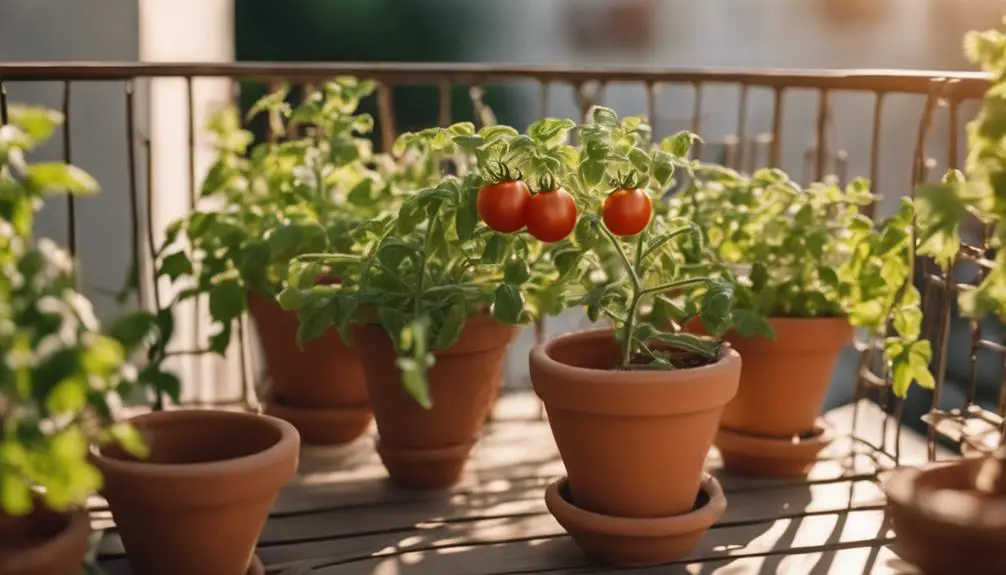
772 456
256 567
633 542
321 426
438 468
942 523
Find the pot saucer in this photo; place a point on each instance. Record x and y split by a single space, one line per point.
321 426
256 567
762 456
942 523
632 542
437 468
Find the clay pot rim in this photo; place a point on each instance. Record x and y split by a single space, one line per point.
273 455
34 557
541 355
903 490
420 455
778 447
342 412
694 521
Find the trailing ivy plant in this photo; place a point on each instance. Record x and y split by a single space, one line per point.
308 190
436 262
810 253
61 376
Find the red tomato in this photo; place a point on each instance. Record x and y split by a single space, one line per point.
502 205
627 211
551 215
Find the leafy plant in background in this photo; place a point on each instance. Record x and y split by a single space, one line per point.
61 377
438 261
307 191
809 253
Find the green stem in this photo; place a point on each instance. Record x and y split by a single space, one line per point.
663 240
636 283
422 268
637 288
675 285
329 257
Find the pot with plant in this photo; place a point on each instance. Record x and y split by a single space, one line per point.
806 267
295 194
433 302
633 408
950 517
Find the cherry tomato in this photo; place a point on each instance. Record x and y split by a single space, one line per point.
551 215
502 205
627 211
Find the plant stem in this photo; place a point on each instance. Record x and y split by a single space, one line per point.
329 257
675 285
636 283
422 269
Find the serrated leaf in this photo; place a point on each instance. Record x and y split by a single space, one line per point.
749 323
226 299
689 342
46 177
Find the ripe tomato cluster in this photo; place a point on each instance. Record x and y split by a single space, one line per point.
550 215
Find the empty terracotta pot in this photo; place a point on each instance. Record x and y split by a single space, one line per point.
632 542
942 523
428 447
772 456
634 442
44 542
319 389
784 381
199 502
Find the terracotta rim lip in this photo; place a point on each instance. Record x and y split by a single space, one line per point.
38 555
341 412
777 447
420 455
903 492
275 454
541 356
686 523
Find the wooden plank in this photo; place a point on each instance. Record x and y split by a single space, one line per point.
342 511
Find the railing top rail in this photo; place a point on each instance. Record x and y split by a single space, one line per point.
967 84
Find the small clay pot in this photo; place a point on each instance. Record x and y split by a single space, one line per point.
319 389
942 523
199 502
785 380
634 442
44 542
428 448
759 456
630 542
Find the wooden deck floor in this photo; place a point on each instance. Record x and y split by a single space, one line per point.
341 516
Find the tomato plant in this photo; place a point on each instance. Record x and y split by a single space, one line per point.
62 375
627 211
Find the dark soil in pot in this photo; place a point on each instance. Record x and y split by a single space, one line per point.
320 388
943 524
785 380
634 442
428 447
44 542
199 502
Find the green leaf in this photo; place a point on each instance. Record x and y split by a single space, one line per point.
255 260
640 160
130 439
663 168
586 233
283 240
38 123
166 383
220 341
516 271
15 495
550 131
450 327
689 342
750 323
291 298
227 299
362 194
592 172
131 329
495 250
467 217
679 144
414 380
715 308
604 116
316 319
58 177
508 304
67 396
175 265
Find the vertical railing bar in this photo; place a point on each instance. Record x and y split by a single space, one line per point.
820 162
71 211
652 89
545 89
133 199
697 118
777 116
953 160
151 242
742 120
3 104
247 391
444 103
196 331
386 116
878 110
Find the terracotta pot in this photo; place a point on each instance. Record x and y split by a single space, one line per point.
942 523
320 388
632 542
44 542
199 502
428 447
634 442
772 456
785 380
